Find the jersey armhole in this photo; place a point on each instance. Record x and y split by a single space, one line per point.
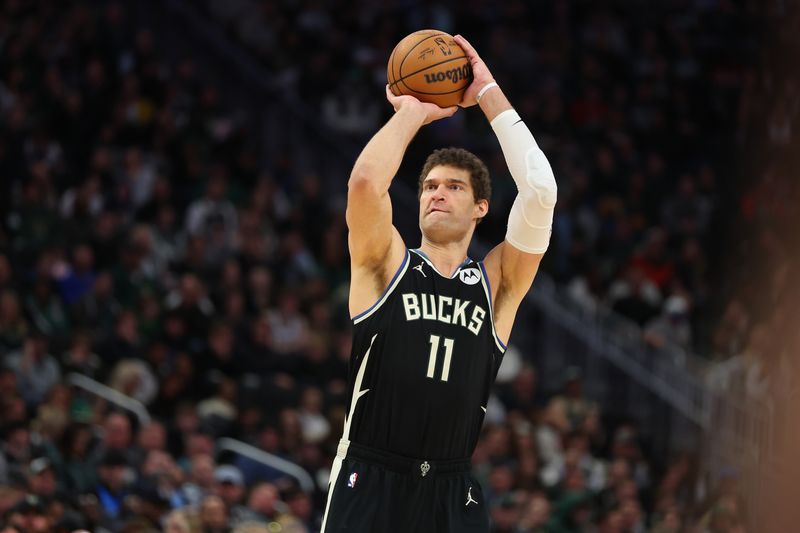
486 287
392 284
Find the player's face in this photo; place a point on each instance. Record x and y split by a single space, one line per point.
447 208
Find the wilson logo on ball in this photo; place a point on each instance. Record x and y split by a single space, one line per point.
454 75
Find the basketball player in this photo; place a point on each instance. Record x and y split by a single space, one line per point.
431 324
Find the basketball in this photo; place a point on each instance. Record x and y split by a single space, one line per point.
431 66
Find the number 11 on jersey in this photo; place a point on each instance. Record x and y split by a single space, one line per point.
448 354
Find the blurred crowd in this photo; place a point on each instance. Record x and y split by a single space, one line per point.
642 110
633 104
143 246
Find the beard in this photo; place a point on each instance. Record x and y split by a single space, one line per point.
441 229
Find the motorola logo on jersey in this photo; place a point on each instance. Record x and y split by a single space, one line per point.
444 309
470 276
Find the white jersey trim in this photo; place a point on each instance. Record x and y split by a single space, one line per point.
344 443
427 259
488 290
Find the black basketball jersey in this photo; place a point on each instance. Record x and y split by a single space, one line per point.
424 358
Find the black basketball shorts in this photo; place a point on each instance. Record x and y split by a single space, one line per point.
373 491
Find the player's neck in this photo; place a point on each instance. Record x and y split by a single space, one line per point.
445 257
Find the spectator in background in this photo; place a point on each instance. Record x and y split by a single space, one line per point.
192 305
214 212
230 487
178 521
264 502
160 473
571 407
200 481
35 368
13 326
112 487
32 222
213 515
47 313
136 180
570 514
151 436
42 479
30 516
117 436
288 327
635 296
535 515
315 426
73 458
625 446
222 357
79 277
301 506
671 327
99 308
653 260
80 358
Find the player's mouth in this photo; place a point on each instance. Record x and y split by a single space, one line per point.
436 210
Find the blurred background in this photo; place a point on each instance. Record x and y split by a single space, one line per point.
174 335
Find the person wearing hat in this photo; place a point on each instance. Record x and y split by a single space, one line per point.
42 478
229 485
146 506
29 515
112 490
672 327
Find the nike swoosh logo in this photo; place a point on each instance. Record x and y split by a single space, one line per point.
517 122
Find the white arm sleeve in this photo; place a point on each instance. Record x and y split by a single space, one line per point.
531 218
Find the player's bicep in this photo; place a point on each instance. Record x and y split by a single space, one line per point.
369 221
519 268
511 272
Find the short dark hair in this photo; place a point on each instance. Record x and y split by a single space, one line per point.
463 159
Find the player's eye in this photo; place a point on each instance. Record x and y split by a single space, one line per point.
455 187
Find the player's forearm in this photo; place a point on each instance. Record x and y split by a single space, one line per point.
380 159
493 102
515 139
531 217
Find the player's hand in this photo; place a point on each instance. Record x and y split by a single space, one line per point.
480 73
430 111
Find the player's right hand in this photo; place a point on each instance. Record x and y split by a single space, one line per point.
480 73
430 111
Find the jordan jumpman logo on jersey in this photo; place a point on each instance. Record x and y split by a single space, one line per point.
469 498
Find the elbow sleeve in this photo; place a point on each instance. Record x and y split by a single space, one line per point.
531 218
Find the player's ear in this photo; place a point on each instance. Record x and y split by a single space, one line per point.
481 208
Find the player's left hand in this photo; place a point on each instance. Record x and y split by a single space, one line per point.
431 112
480 73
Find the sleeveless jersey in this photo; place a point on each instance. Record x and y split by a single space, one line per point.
424 358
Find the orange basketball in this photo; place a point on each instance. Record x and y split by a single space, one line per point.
430 65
